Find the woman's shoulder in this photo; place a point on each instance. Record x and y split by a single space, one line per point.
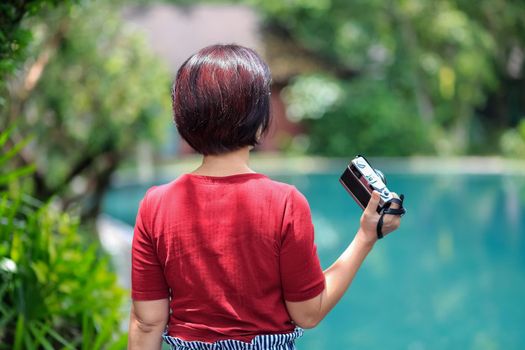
155 193
288 191
254 183
278 185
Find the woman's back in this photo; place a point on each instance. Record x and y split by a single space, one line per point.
228 248
225 256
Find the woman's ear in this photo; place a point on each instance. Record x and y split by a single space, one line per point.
258 135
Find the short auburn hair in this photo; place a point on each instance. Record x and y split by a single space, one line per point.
221 99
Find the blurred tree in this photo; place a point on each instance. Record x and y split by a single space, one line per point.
57 290
14 38
351 118
444 61
90 93
505 105
513 141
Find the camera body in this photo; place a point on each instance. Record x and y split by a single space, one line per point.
360 179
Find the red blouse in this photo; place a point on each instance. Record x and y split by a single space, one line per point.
227 251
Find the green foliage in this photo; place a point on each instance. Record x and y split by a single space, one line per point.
8 175
57 290
437 60
513 141
14 38
350 117
101 93
103 89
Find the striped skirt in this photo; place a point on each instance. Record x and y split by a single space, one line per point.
260 342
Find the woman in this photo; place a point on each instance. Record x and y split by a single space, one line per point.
224 257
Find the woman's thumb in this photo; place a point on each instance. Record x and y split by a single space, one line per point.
371 208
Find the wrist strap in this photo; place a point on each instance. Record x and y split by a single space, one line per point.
386 210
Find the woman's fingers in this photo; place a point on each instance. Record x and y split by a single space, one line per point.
394 205
370 217
392 222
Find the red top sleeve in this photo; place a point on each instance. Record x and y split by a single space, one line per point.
301 274
147 276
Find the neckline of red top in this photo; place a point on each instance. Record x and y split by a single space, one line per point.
224 179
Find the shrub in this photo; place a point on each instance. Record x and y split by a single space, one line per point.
56 290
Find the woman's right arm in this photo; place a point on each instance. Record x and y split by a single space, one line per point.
147 323
339 276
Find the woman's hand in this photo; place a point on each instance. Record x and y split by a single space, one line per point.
368 231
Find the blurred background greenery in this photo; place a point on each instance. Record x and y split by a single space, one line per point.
84 92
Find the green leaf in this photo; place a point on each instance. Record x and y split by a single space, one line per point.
41 270
16 249
6 317
120 343
39 335
4 135
87 331
60 339
14 151
16 174
28 341
19 332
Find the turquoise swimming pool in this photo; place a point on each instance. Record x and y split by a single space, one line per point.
452 277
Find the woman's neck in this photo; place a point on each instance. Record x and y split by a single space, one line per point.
231 163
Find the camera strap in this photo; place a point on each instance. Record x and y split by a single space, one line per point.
387 210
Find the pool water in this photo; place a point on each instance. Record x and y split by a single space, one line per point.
452 277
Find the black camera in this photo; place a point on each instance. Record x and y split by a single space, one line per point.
360 179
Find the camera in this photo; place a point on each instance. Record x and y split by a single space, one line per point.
360 179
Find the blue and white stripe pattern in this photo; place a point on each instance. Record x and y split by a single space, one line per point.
260 342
